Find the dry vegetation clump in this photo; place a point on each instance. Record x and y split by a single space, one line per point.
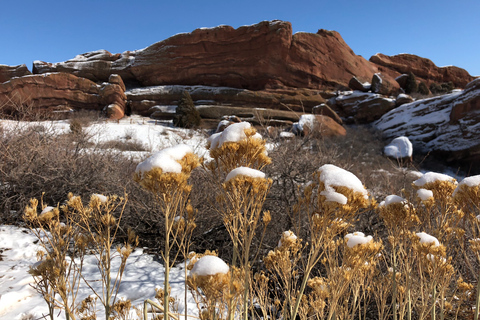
300 226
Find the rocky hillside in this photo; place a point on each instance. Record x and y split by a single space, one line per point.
248 70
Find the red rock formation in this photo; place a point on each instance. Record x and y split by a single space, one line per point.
9 72
60 91
265 55
423 69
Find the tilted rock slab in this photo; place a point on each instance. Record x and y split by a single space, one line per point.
264 55
448 124
9 72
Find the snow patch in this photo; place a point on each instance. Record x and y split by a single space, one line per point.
167 160
425 238
424 194
233 133
470 182
431 177
357 238
245 171
391 199
209 266
333 176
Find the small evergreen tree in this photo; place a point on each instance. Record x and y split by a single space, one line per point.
411 84
423 89
186 115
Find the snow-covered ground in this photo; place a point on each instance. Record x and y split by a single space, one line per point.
154 135
18 299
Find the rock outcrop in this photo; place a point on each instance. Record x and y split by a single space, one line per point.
144 100
448 125
60 91
423 69
361 107
265 55
9 72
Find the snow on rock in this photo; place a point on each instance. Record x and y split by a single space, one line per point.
233 133
333 176
431 177
245 171
427 239
166 159
209 266
424 194
305 120
429 126
357 238
287 236
392 199
470 182
399 148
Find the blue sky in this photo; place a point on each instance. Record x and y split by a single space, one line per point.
447 32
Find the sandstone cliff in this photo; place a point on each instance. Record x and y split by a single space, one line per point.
265 55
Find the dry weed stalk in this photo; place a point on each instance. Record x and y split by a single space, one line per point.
330 210
94 228
165 175
240 151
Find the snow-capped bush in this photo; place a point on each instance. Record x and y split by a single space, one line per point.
425 238
166 159
424 194
357 238
333 176
209 266
432 177
233 133
245 171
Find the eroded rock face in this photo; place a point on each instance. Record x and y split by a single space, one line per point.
61 91
265 55
423 69
9 72
448 125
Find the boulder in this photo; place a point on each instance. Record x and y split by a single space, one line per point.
381 85
447 125
403 98
59 91
402 80
325 110
361 107
423 69
356 84
9 72
400 149
260 56
323 126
